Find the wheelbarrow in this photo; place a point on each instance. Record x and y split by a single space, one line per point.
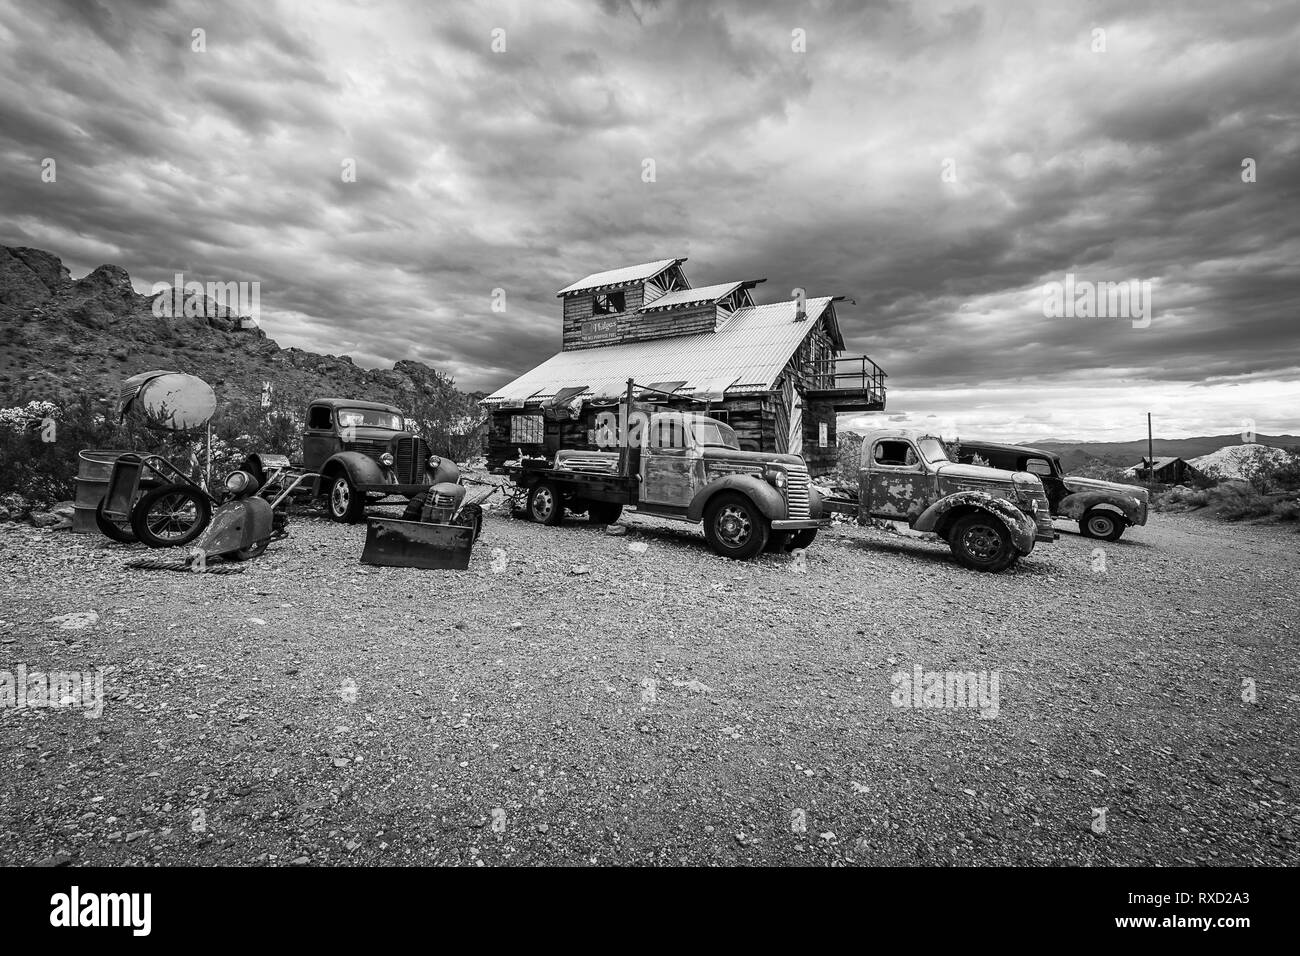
151 500
437 530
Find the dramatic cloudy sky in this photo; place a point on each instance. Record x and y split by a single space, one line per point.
822 168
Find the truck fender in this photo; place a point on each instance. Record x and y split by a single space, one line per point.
360 469
1019 524
1075 505
765 497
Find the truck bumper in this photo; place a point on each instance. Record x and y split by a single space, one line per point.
793 524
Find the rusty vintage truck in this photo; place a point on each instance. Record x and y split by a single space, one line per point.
1102 508
989 517
680 465
363 453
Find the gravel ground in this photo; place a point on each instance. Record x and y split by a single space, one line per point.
578 697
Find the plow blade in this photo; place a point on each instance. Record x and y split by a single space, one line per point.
393 543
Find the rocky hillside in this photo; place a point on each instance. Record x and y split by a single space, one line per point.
1240 461
64 337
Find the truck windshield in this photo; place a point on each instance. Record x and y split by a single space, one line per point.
369 418
933 450
711 432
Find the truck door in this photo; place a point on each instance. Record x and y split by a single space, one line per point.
319 440
894 483
671 462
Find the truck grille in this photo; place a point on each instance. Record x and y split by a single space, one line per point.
796 493
409 459
447 502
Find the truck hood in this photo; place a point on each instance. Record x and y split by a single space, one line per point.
715 453
953 469
369 433
1096 484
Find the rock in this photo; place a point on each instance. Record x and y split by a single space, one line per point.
17 506
64 509
75 621
615 529
43 519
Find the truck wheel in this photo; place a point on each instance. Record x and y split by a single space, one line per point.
545 505
734 527
981 542
1105 525
117 531
346 504
171 515
777 542
801 538
603 512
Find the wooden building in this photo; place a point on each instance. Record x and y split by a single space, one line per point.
774 372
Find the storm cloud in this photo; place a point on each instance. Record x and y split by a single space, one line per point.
940 163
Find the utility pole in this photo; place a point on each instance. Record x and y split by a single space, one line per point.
1151 455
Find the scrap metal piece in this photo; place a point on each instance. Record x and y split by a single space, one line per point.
394 543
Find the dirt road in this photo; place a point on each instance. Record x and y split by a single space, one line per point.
578 697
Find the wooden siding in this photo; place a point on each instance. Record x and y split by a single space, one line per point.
635 327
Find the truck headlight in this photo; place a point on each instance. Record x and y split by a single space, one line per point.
777 476
237 481
434 462
386 459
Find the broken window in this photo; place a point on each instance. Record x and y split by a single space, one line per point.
608 304
1038 466
898 453
526 429
319 417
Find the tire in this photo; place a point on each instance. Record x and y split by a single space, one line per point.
471 516
778 542
981 542
545 506
415 506
734 527
603 512
1099 523
802 538
345 504
117 531
254 550
171 515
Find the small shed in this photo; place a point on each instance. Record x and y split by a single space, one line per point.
775 372
1167 470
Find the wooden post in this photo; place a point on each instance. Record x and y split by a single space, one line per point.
1151 455
625 433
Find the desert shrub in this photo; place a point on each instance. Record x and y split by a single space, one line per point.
1179 498
1237 500
1287 510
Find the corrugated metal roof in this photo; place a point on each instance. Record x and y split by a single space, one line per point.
705 293
750 349
638 273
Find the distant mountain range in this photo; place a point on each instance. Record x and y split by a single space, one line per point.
1076 454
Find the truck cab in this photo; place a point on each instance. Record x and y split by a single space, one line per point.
989 517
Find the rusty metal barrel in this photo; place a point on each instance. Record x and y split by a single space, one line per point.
93 471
